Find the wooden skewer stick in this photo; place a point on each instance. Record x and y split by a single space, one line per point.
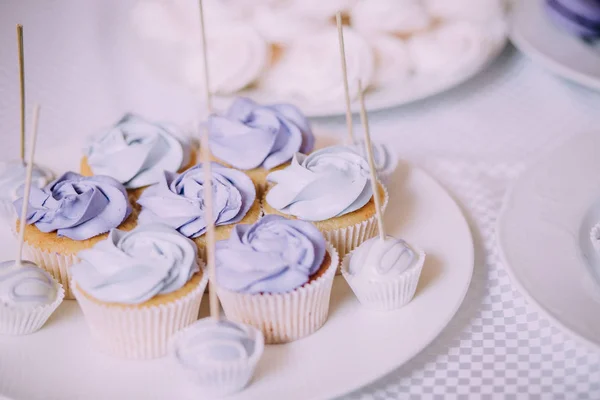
208 194
338 19
23 219
21 87
369 151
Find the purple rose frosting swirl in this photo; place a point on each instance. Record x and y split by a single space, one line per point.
77 207
274 255
178 199
250 135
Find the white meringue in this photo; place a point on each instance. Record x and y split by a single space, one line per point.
391 16
237 57
282 25
470 10
311 67
449 49
392 59
321 10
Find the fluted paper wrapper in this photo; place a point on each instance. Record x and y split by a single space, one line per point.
284 317
23 321
347 239
386 294
58 265
139 332
221 379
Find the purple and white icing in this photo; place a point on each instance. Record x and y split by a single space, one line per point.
178 199
250 135
133 267
274 255
136 152
26 285
77 207
328 183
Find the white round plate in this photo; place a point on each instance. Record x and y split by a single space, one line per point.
354 348
558 51
541 240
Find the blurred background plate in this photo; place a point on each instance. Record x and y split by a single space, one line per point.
558 51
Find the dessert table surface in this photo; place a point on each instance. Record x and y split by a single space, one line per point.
475 139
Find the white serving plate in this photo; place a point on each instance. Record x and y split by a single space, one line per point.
540 234
558 51
354 348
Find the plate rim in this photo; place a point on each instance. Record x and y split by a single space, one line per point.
530 50
504 209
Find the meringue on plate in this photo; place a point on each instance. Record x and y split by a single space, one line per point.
391 16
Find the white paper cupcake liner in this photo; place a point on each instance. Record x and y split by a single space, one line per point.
23 321
58 265
139 332
595 237
221 379
386 294
284 317
347 239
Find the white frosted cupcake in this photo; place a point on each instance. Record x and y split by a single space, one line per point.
12 178
384 274
385 158
218 355
136 289
332 189
276 275
28 296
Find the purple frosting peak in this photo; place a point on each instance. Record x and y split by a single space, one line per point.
250 135
77 207
274 255
178 199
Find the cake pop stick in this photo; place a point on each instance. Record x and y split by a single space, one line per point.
369 151
18 258
338 19
208 194
21 87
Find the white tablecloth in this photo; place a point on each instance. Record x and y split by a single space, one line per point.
475 139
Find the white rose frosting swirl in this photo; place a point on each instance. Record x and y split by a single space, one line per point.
328 183
378 260
310 67
238 56
26 285
392 16
12 177
449 49
136 152
132 267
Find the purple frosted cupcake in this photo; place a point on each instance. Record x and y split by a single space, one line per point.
579 17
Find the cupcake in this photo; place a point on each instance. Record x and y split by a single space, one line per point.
258 139
276 275
136 289
178 201
218 355
578 17
332 189
386 160
383 274
136 152
71 214
28 296
12 177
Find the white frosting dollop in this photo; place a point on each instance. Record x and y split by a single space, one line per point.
328 183
12 177
449 49
377 259
311 68
281 24
391 16
237 57
393 64
26 285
